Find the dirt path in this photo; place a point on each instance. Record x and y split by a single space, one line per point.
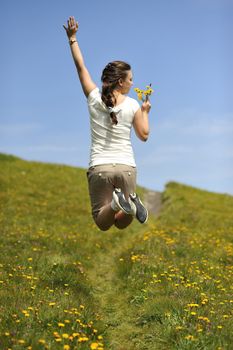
153 202
114 309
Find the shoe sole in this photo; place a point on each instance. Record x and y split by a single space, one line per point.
122 204
141 212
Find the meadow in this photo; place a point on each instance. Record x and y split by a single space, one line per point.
64 284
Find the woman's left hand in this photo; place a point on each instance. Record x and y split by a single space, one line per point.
146 106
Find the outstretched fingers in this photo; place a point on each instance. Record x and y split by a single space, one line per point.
72 26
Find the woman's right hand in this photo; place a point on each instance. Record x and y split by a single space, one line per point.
72 27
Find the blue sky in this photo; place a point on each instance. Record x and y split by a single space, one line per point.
183 47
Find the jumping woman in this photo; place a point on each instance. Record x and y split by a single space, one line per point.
112 169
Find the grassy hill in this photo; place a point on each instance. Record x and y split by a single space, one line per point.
64 284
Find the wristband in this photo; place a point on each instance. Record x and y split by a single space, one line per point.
71 41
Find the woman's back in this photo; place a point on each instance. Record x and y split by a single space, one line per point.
111 143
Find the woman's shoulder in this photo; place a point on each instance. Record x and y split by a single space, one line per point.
93 95
133 103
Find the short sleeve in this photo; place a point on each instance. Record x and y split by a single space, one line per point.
93 96
135 105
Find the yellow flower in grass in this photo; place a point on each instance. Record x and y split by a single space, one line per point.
58 340
52 304
82 339
189 337
192 305
61 324
21 341
65 335
66 347
94 346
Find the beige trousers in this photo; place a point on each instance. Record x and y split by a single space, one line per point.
102 179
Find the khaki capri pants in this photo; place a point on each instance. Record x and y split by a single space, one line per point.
102 179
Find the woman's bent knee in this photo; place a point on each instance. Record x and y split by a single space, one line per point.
103 226
121 224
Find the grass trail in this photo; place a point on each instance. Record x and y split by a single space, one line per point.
64 284
113 304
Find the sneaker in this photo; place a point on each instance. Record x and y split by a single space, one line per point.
121 202
138 209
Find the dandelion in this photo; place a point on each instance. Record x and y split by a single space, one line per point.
61 324
189 337
66 347
192 305
82 339
65 335
52 304
142 93
94 346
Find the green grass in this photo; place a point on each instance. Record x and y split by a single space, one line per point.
64 284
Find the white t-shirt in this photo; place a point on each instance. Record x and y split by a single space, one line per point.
111 143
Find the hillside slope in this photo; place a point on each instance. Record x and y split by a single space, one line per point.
66 285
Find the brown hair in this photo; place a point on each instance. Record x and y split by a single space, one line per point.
110 77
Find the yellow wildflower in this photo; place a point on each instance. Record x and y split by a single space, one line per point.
65 335
61 324
192 305
82 339
142 93
189 337
21 341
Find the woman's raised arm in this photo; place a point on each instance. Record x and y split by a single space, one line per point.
85 79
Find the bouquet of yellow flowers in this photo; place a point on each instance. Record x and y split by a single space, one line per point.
144 94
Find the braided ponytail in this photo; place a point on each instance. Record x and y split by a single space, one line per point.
110 77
